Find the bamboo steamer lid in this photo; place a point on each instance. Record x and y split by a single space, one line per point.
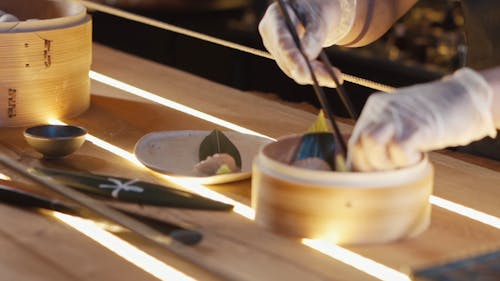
45 60
341 207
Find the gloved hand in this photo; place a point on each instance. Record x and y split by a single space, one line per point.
395 128
4 17
324 22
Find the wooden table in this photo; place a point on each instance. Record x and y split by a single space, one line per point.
39 247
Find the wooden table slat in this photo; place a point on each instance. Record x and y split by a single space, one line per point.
233 248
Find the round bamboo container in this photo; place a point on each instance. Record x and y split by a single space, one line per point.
45 61
341 207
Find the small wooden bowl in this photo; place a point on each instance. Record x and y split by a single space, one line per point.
55 141
342 207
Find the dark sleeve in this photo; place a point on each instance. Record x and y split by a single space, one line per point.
482 27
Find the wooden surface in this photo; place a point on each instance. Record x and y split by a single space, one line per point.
233 248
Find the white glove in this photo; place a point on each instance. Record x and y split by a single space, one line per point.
4 17
394 129
325 22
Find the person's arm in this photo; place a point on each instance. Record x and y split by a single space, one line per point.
323 23
492 76
373 19
4 17
395 128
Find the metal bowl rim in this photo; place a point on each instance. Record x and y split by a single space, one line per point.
80 132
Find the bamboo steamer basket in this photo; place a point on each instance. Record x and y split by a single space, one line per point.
340 207
45 60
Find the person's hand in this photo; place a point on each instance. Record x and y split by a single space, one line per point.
4 17
320 23
394 129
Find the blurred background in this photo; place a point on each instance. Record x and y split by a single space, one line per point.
425 44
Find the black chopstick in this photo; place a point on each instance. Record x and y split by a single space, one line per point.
320 94
353 113
101 209
339 88
22 198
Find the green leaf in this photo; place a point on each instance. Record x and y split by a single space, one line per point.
319 126
340 164
223 169
217 142
129 190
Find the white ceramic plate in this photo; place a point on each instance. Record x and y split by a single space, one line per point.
175 153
